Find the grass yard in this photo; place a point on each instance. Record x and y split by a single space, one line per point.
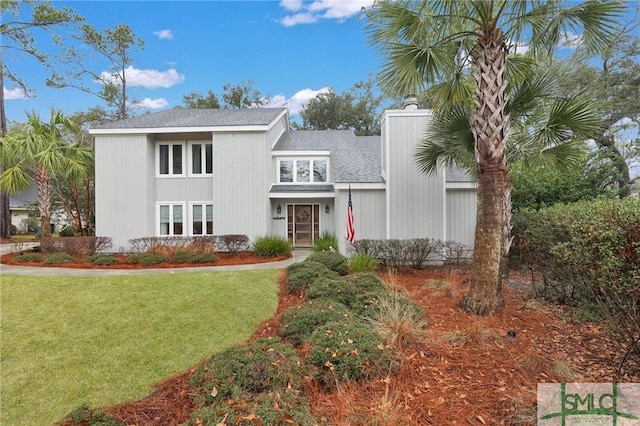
104 340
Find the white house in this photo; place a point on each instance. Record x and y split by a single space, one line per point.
215 172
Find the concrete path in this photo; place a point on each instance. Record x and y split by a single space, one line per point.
298 256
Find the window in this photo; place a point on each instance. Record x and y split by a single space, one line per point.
201 159
202 219
170 219
170 159
306 171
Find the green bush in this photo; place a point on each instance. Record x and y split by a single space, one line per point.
298 323
101 259
67 231
301 275
183 257
274 408
587 255
358 292
349 351
58 258
271 246
85 416
204 258
27 257
146 259
263 366
326 242
362 262
331 259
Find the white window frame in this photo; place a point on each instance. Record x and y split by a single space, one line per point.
203 156
184 157
204 205
311 161
171 205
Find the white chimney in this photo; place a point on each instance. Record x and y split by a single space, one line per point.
410 102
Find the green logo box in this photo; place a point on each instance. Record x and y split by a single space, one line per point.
574 404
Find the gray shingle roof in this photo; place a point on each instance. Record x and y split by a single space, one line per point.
354 159
198 118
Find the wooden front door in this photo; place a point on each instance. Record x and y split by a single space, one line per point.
303 224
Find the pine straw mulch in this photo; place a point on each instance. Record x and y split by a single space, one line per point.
466 371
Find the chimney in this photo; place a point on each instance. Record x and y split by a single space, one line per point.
410 102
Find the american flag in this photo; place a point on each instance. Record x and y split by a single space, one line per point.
351 230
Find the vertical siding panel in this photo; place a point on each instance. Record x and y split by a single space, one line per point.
124 166
461 219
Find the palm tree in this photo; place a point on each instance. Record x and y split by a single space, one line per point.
430 42
36 151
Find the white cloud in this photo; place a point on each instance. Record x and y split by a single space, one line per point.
297 102
166 34
570 40
306 13
149 79
16 93
147 103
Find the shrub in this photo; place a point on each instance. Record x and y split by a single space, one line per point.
298 323
263 366
27 257
400 253
67 231
274 408
358 292
85 416
204 258
301 275
271 246
232 243
331 259
362 262
349 351
587 254
183 257
77 246
146 259
102 260
326 242
58 258
171 245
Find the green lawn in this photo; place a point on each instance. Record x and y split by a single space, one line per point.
104 340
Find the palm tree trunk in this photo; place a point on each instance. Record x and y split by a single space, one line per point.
44 200
484 295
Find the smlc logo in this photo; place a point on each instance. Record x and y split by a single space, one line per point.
616 404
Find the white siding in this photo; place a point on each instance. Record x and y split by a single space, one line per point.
461 215
242 175
368 215
415 201
124 188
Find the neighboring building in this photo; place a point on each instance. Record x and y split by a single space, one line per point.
216 172
22 205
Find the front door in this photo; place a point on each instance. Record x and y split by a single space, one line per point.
303 224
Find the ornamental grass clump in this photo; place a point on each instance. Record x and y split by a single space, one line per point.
271 246
349 351
298 323
398 319
362 262
326 242
331 259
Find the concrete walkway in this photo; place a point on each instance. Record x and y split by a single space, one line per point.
298 256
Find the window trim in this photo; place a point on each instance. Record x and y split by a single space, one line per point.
157 160
171 205
203 156
203 204
295 160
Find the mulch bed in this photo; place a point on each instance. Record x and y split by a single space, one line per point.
484 377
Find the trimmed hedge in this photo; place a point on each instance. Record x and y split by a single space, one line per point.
298 323
358 292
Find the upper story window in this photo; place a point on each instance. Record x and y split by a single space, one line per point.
172 159
302 171
201 158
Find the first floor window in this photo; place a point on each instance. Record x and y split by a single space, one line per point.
171 218
202 219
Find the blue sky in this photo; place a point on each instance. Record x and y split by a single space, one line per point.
291 50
